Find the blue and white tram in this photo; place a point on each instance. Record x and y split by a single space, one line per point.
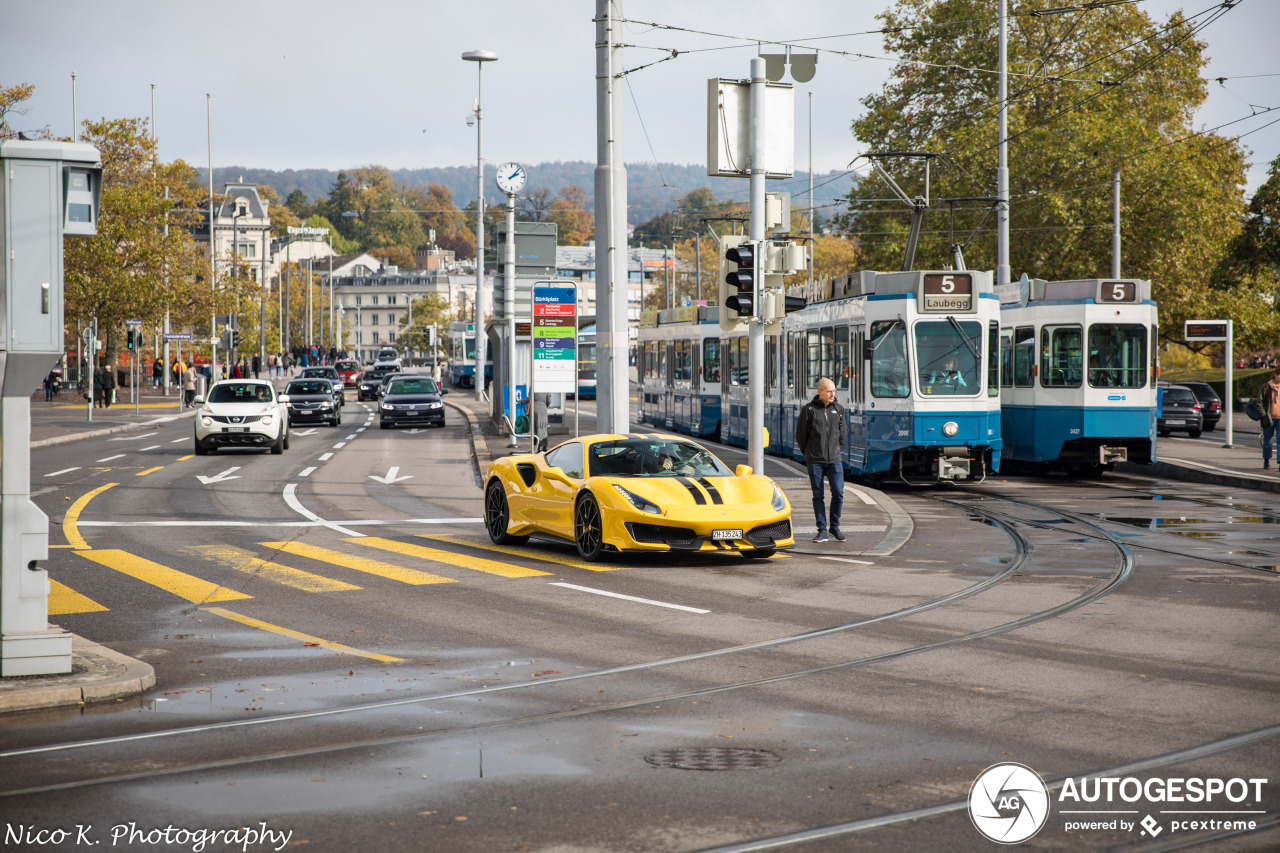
1078 379
462 356
678 368
587 368
914 358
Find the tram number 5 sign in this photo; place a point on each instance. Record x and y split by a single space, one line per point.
555 362
948 292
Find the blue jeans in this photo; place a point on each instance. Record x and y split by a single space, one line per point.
1268 440
832 472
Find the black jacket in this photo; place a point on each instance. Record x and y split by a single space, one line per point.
820 431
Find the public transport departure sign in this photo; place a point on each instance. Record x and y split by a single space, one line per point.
555 354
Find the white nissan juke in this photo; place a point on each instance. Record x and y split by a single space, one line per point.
242 413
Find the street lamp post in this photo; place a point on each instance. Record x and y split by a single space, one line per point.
479 57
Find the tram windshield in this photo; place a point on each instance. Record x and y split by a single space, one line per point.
949 353
1117 355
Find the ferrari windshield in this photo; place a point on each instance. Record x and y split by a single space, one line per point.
653 457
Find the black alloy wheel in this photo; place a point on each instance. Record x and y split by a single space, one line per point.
588 529
497 516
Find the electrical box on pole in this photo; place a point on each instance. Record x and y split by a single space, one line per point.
48 190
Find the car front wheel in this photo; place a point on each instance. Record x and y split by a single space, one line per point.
588 529
497 515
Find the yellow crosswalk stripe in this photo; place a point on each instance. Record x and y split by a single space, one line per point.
63 599
359 564
478 564
179 583
244 561
544 554
297 635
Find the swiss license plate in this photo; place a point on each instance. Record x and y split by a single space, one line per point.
1171 421
237 429
727 534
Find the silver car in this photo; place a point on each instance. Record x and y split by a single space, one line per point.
242 413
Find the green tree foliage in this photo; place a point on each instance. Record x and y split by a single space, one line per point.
426 310
11 99
576 223
374 209
1092 89
130 269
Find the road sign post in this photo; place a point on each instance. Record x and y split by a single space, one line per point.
1216 330
554 362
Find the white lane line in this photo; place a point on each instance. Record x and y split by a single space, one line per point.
848 560
109 458
351 438
291 498
179 440
152 447
363 522
340 445
325 457
307 472
862 496
63 471
134 437
362 428
629 597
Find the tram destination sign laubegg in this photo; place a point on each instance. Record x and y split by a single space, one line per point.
948 292
555 362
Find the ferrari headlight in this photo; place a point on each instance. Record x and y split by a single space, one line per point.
639 502
950 428
779 502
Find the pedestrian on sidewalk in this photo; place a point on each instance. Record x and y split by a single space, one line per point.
820 436
1269 401
189 385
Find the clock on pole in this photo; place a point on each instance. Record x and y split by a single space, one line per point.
511 178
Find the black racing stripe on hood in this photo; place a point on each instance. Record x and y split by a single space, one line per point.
711 490
693 490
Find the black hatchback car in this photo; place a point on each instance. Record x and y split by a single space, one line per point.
311 401
371 382
1180 411
1210 403
411 400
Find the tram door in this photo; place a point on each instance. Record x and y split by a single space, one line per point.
666 355
695 388
856 439
681 385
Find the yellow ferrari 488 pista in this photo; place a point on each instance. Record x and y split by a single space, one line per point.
611 493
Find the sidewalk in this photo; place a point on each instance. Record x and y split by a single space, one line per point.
1206 460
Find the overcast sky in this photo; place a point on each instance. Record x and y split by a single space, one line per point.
339 84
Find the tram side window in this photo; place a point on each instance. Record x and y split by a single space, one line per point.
1006 359
771 361
649 367
814 361
744 362
795 365
662 362
1060 357
711 360
855 367
1117 355
683 362
1024 356
889 370
841 366
993 360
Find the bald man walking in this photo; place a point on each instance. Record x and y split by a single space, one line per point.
820 436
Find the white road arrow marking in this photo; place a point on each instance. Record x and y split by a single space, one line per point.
311 431
391 477
413 431
218 478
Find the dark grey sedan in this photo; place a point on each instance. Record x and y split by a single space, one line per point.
411 400
311 401
1180 411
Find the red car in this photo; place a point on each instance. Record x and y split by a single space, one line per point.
350 373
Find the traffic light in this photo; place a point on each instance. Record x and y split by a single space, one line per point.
737 276
233 337
128 337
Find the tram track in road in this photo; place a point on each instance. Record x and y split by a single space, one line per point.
1102 532
103 753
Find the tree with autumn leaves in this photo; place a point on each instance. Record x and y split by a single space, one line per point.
1092 88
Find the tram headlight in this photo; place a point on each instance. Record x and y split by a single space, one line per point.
950 428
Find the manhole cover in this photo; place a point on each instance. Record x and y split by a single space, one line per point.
713 758
1227 579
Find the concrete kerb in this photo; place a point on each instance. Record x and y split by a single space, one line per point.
475 435
98 674
95 433
1193 472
